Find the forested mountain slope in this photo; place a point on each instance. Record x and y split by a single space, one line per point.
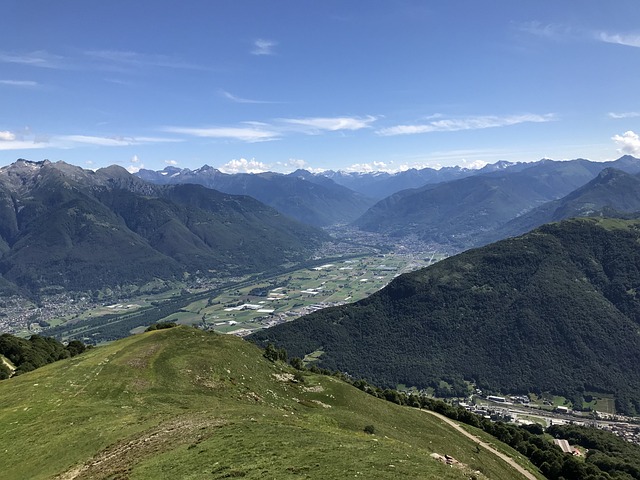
65 228
317 203
554 310
460 214
612 190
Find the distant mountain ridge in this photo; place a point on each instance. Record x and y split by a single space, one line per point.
66 228
612 191
463 213
554 310
383 184
318 202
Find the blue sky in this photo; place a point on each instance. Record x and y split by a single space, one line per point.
355 85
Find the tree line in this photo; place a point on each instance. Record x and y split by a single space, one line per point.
37 351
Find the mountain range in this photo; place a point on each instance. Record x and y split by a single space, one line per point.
453 208
379 185
314 200
463 213
554 310
66 228
611 193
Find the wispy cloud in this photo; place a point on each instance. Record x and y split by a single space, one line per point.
112 141
468 123
244 166
20 83
619 115
249 134
19 141
29 140
118 59
628 143
263 47
252 131
629 40
332 124
236 99
106 60
554 31
38 58
97 141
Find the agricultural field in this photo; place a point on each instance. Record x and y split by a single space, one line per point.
285 297
240 305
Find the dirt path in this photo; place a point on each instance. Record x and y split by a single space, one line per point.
485 445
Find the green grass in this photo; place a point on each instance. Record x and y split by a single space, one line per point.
335 284
601 403
181 403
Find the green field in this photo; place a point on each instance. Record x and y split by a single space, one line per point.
600 402
273 298
288 296
182 403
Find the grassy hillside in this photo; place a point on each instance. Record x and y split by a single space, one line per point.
554 310
182 403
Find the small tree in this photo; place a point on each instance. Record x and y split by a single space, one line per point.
270 352
274 354
370 429
297 363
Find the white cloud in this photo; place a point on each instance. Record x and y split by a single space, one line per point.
618 39
468 123
295 163
21 145
135 166
7 136
117 60
623 115
70 140
263 47
39 58
236 99
551 31
19 83
371 167
629 143
244 166
475 165
171 162
316 124
245 134
29 140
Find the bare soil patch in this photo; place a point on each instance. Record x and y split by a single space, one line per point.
117 460
142 359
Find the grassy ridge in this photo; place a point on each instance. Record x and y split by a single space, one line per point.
182 403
